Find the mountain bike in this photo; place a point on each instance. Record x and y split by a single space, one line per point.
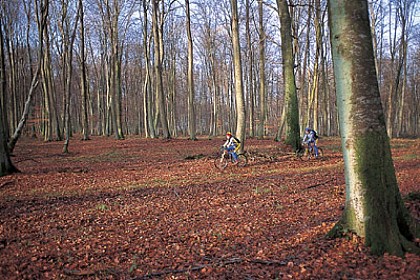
226 158
307 152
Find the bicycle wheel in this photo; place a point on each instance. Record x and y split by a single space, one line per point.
299 152
304 154
320 152
220 163
308 154
242 160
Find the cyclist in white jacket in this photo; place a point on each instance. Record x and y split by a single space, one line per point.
232 145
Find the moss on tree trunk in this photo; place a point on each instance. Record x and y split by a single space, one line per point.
374 208
292 112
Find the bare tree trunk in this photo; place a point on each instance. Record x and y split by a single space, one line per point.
282 124
240 102
68 55
147 91
262 88
19 129
374 208
6 165
3 89
250 76
404 8
47 88
10 99
158 72
83 77
191 94
304 101
318 58
293 134
395 74
116 72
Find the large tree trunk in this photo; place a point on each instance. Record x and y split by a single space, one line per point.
158 53
263 94
116 72
147 89
304 86
293 133
240 102
191 95
374 208
68 55
250 76
6 166
46 88
83 76
3 86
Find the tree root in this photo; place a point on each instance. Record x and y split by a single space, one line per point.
338 231
409 246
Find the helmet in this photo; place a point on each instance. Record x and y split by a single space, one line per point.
307 129
228 133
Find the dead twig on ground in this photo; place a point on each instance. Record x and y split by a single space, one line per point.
26 159
320 184
7 183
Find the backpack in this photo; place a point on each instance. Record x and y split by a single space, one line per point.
315 134
236 140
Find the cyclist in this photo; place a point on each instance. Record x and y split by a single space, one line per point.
232 145
310 138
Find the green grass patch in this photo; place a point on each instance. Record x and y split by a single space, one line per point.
262 190
102 207
410 157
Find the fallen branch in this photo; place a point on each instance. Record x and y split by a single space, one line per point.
88 272
6 183
268 262
26 159
320 184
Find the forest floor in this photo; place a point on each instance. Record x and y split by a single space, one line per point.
155 209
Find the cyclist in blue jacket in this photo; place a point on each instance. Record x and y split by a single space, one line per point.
310 138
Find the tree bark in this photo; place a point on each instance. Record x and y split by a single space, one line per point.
293 133
116 72
147 89
250 76
158 53
69 37
374 208
262 88
83 77
237 62
6 165
191 94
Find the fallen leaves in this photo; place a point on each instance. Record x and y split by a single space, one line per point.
138 209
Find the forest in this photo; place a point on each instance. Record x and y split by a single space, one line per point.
152 68
114 113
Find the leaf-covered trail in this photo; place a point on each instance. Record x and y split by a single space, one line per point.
141 209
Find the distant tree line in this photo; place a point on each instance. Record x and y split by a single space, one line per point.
163 68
